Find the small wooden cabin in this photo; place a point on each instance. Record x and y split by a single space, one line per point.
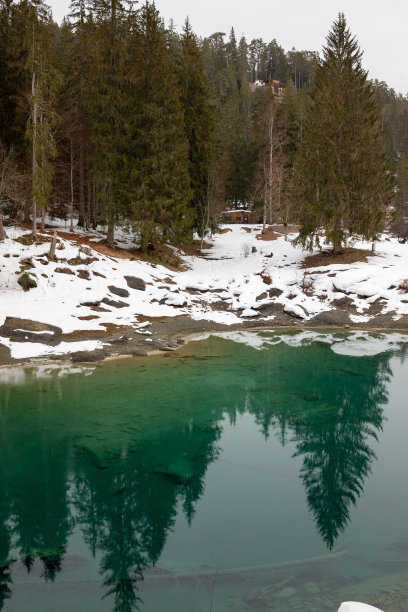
240 216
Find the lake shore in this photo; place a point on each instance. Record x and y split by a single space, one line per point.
167 334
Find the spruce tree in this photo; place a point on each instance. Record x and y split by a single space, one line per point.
200 124
159 176
341 180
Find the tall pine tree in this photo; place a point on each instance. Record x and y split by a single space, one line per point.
341 180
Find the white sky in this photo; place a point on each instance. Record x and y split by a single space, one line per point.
379 25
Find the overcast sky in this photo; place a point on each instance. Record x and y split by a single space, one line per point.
379 25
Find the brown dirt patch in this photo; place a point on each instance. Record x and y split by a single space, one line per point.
161 253
194 247
88 318
100 247
247 229
266 278
225 230
112 327
269 234
325 258
27 239
79 334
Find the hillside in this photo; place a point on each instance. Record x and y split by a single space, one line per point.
91 298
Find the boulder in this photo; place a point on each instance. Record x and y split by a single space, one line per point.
342 302
331 317
139 352
64 271
135 283
25 330
118 291
275 292
115 303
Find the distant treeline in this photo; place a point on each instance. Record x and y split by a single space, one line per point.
114 116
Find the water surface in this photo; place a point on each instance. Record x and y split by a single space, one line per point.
164 484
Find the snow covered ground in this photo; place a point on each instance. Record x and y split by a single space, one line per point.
234 281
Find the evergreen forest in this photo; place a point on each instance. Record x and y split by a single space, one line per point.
115 116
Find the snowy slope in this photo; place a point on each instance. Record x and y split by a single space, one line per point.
227 285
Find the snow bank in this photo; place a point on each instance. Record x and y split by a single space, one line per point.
234 280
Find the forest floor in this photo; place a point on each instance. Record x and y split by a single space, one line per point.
93 302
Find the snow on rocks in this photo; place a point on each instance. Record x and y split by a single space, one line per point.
238 278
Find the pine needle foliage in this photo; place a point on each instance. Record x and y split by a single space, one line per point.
341 182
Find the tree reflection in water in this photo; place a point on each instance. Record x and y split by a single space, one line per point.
122 486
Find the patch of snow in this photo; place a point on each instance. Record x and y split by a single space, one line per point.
249 312
24 350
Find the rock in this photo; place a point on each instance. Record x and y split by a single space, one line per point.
180 341
64 271
286 593
135 283
295 310
114 303
30 331
311 587
91 303
263 296
344 301
118 291
139 353
119 341
331 317
27 264
275 292
88 356
84 274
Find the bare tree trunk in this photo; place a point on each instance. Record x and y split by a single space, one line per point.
94 216
3 234
71 229
51 254
111 228
81 216
34 160
43 218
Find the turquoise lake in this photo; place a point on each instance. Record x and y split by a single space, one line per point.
265 474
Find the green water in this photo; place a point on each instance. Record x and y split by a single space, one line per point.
137 484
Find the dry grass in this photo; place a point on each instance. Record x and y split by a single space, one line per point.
225 230
269 234
194 247
325 258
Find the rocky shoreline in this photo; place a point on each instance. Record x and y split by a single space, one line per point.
167 334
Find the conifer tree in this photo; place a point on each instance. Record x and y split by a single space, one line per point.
200 124
43 118
341 180
159 176
108 106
